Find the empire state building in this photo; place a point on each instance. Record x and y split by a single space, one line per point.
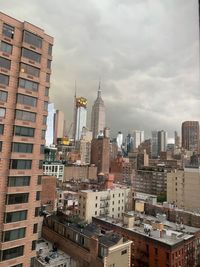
98 115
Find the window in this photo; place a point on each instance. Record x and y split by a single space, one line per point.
37 211
12 253
15 216
35 228
39 180
25 115
14 234
5 63
29 85
124 252
112 265
23 164
27 100
24 131
50 49
2 112
48 64
45 105
31 55
38 195
4 47
4 79
32 262
32 39
8 31
1 128
44 120
3 96
47 77
46 91
24 68
22 148
41 149
156 251
18 265
14 181
43 134
40 164
33 244
17 198
1 145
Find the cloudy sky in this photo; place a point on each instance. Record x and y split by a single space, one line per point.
146 53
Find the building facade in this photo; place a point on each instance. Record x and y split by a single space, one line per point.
190 135
50 125
98 115
54 168
80 117
138 138
162 141
58 125
25 68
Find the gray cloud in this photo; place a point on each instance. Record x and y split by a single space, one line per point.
145 51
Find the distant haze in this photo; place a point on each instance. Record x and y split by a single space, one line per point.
146 53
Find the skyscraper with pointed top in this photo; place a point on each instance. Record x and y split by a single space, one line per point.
98 115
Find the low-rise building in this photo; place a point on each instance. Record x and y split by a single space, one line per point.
80 172
54 168
48 193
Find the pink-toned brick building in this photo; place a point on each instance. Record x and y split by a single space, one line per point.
25 68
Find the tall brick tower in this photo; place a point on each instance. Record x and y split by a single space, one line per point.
25 68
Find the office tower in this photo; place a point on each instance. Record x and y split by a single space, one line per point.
25 68
154 144
138 137
98 115
119 140
162 141
80 117
58 125
84 146
100 153
190 135
50 124
177 140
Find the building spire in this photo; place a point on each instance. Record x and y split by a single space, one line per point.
99 90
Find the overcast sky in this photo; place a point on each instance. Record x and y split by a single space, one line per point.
145 51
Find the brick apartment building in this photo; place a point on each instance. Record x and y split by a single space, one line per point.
25 68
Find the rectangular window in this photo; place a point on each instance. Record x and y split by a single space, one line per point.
41 149
18 265
40 164
48 64
37 211
124 252
12 253
45 105
43 134
1 128
4 79
14 181
4 47
1 143
8 31
22 147
50 49
17 198
31 55
27 100
14 234
44 120
5 63
38 195
47 77
46 91
33 244
15 216
35 228
32 39
2 112
20 164
30 70
25 115
3 96
24 131
39 180
29 85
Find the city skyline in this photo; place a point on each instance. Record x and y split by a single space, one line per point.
145 78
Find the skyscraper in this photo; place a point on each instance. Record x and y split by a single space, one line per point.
58 125
80 117
190 135
50 125
154 144
138 137
25 68
98 115
162 141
